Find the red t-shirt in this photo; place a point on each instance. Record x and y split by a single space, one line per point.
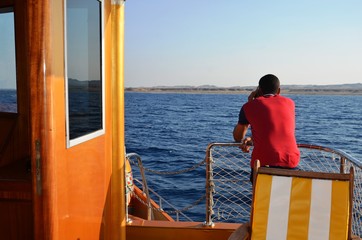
272 121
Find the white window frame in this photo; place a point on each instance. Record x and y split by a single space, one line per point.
73 142
6 10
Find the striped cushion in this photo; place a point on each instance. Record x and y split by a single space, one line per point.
300 208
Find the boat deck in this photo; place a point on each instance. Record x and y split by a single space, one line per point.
163 230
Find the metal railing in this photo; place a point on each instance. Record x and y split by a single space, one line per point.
228 188
229 191
160 200
145 188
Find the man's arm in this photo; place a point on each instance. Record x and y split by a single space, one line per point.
254 94
239 136
240 131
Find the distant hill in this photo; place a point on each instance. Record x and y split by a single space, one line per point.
87 85
333 86
337 89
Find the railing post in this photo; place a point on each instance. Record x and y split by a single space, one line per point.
128 219
342 165
209 186
145 189
160 203
144 184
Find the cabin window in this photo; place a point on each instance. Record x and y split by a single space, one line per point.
84 70
8 95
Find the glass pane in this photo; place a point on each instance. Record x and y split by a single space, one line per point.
8 97
85 110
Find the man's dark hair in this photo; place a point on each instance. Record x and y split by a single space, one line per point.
269 84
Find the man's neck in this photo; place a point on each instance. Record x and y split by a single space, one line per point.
269 95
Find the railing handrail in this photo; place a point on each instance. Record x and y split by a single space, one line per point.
300 145
332 150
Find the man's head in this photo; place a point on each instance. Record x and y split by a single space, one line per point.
269 84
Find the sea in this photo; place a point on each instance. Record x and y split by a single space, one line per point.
171 131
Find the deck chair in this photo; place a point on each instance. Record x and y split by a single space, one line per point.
293 204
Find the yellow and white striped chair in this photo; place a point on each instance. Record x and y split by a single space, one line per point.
292 204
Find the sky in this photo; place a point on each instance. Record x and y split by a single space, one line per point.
7 51
235 42
230 43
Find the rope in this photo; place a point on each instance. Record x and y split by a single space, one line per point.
189 206
170 172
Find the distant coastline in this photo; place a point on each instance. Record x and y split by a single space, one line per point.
342 89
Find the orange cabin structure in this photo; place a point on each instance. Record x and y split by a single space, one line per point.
59 180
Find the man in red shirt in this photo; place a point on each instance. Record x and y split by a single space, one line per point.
272 120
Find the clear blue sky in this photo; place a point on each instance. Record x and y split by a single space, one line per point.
7 51
235 42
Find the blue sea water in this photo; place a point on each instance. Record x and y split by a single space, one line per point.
171 131
8 100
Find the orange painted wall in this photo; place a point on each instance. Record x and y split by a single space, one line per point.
77 180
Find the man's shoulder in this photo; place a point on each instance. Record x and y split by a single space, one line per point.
265 101
285 98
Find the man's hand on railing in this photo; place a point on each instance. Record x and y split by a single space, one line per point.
246 144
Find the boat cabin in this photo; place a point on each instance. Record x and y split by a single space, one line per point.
61 119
